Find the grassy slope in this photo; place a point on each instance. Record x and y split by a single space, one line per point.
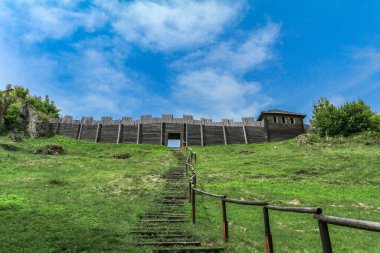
343 179
84 200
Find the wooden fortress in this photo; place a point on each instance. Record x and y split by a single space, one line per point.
272 125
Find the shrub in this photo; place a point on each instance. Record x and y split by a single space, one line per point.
11 117
350 118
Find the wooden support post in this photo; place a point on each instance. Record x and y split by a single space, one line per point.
162 134
79 131
225 222
245 135
97 132
202 141
119 133
193 205
187 134
325 237
57 130
190 198
138 133
224 135
268 235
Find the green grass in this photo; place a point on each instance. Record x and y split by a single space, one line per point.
87 201
341 177
81 201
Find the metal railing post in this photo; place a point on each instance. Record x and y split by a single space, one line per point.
325 236
268 235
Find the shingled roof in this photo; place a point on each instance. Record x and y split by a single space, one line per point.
275 111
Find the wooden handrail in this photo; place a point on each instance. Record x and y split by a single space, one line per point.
323 221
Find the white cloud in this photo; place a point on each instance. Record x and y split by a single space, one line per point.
173 24
38 20
217 95
237 56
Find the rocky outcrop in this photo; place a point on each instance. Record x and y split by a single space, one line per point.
38 126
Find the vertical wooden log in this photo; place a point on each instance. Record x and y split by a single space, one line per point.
268 235
266 123
245 135
162 134
138 133
119 133
190 198
79 131
202 141
224 135
325 237
225 222
97 132
193 205
57 130
187 134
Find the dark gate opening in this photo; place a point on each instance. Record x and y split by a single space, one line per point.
174 140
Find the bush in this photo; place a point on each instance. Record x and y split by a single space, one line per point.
350 118
11 117
14 104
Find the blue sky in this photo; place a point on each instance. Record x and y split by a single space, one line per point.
215 59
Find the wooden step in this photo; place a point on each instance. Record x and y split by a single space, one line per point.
169 243
189 250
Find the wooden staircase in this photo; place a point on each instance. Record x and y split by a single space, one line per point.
163 229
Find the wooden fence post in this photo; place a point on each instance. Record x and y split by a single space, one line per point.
245 135
193 204
119 133
202 137
268 235
97 132
325 236
138 133
80 131
57 130
224 135
225 222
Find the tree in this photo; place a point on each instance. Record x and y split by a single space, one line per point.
325 118
350 118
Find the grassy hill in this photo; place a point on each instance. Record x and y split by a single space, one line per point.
342 176
86 201
81 201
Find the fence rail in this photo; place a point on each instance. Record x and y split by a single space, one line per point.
323 221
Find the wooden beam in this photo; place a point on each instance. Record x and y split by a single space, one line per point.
97 132
187 134
202 141
162 134
57 130
245 135
224 135
138 133
119 133
80 131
